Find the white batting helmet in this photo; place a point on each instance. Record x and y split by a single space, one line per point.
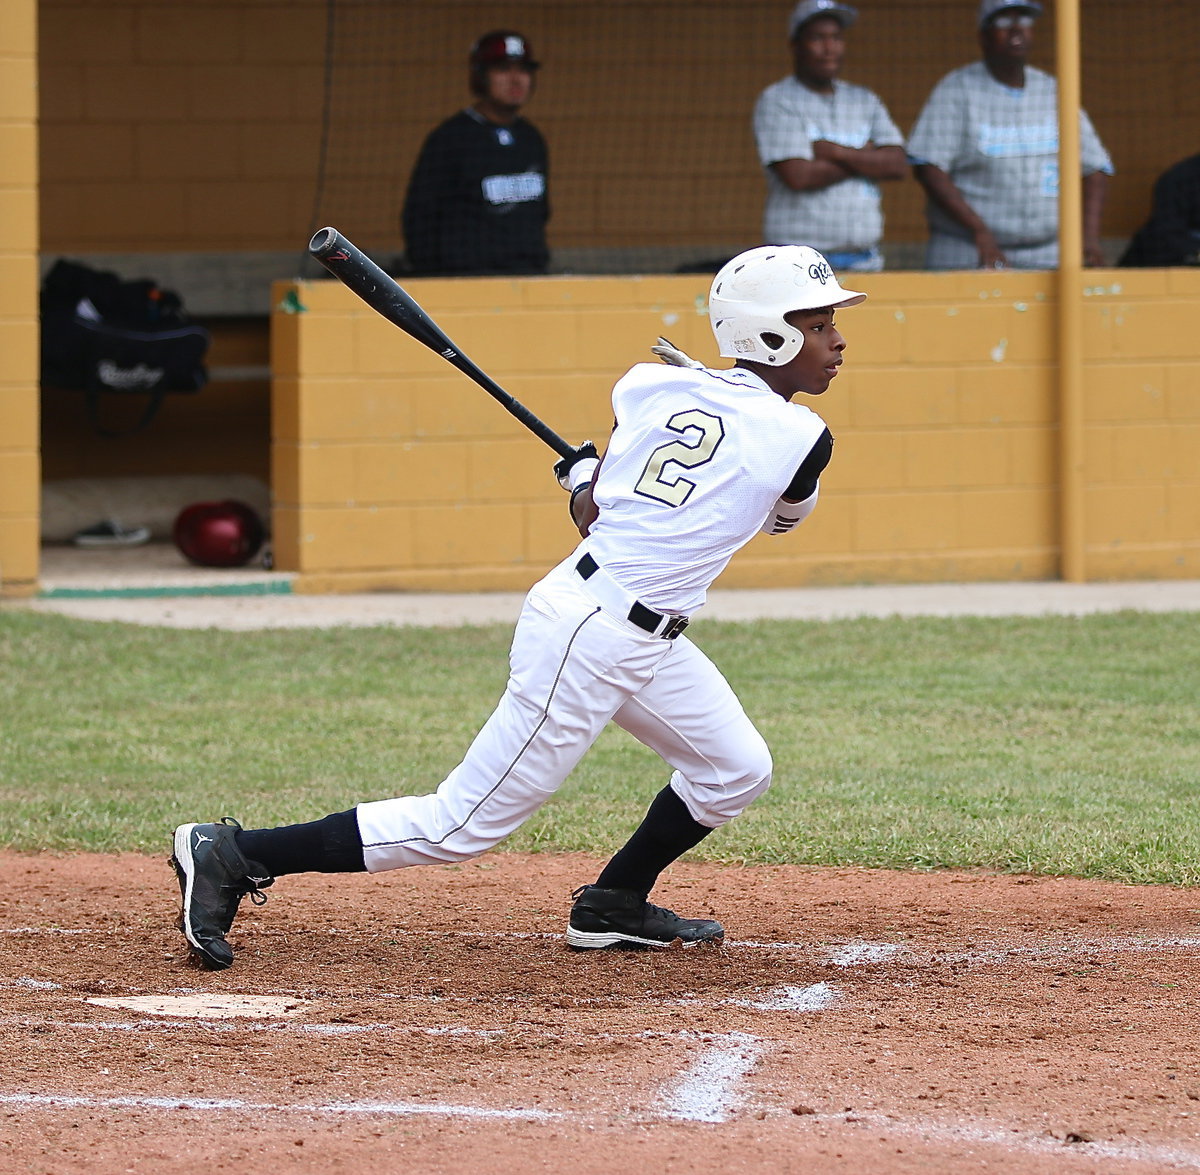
752 293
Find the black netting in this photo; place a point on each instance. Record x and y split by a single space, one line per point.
647 112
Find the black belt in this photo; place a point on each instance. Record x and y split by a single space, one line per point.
655 623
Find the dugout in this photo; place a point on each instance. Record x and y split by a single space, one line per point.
200 144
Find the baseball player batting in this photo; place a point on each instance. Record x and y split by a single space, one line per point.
699 461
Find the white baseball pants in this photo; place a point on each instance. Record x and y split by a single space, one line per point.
574 665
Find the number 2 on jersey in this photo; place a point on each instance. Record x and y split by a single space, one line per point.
701 434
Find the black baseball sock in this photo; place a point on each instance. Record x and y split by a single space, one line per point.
667 832
331 845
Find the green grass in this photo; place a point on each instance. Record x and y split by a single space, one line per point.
1048 745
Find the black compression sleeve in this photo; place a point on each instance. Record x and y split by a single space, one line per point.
331 845
666 833
811 468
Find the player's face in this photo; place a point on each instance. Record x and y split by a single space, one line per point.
815 367
818 51
509 86
1008 36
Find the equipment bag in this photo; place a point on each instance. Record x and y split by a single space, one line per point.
102 335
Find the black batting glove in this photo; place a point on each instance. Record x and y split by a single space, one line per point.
571 470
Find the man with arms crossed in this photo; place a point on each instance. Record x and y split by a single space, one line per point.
825 145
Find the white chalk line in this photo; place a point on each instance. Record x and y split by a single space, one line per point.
46 930
708 1090
1000 954
1012 1138
856 952
814 998
859 953
705 1092
371 1109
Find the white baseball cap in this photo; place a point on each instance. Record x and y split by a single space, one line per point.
807 9
989 8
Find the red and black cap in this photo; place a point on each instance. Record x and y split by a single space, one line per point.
500 47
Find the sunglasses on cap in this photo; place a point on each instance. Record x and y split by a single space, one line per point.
1011 22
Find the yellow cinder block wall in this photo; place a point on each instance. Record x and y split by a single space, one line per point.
392 470
19 469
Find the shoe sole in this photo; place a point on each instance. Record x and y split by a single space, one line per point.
590 940
136 539
184 866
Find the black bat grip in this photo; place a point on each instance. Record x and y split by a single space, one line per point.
354 269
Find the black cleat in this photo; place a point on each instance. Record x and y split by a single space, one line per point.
623 919
214 876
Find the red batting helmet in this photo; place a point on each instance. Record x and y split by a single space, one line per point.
499 48
218 534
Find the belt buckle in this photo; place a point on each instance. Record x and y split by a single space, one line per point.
674 626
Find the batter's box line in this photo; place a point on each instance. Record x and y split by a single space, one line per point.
715 1104
853 952
238 1105
707 1090
1009 1138
865 952
1049 951
710 1088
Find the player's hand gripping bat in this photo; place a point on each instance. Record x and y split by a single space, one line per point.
359 273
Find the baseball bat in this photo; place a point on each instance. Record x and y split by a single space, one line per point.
383 294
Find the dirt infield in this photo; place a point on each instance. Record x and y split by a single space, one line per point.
433 1020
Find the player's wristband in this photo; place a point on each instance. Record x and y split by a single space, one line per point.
581 473
788 515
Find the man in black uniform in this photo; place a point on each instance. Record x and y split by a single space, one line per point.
476 202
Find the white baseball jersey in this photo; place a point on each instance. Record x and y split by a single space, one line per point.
1000 147
788 119
697 461
695 464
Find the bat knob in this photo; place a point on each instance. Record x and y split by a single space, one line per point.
323 240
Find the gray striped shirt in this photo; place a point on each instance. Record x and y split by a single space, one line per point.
788 119
1000 147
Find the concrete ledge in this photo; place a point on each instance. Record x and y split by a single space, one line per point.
152 570
245 612
239 283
